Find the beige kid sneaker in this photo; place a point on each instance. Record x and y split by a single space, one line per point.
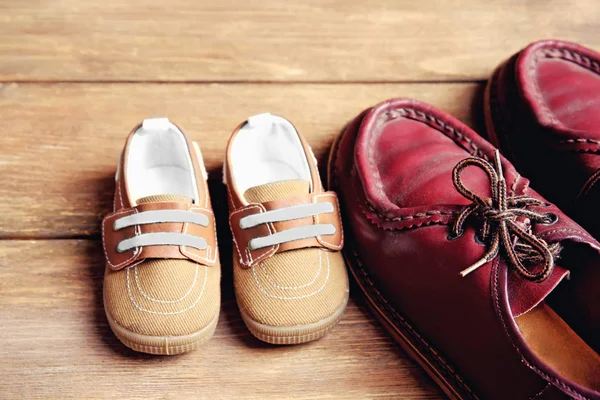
162 278
289 275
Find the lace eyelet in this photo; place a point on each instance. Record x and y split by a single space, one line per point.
478 240
553 218
454 237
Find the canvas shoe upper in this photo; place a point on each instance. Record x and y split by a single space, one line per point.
289 275
162 277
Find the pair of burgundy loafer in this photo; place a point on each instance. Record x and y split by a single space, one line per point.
493 289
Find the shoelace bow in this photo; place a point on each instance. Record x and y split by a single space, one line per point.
500 229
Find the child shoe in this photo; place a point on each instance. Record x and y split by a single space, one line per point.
162 278
463 262
289 275
543 110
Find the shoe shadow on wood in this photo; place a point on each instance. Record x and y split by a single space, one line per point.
477 115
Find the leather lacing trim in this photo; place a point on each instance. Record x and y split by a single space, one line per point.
530 249
574 57
563 54
570 55
496 111
437 124
427 214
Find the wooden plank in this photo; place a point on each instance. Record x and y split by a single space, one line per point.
56 343
61 142
296 40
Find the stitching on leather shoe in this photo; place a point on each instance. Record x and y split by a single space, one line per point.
424 222
409 217
538 394
136 252
587 236
573 56
120 195
564 54
438 123
430 120
268 254
316 217
208 249
581 140
115 198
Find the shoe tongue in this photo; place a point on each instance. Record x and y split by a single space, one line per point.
523 295
277 191
161 198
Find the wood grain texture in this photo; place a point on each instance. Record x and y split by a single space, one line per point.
61 142
56 343
77 75
295 40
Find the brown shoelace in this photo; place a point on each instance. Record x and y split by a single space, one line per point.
500 229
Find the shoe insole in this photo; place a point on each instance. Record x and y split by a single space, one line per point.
275 170
159 162
552 340
165 179
267 149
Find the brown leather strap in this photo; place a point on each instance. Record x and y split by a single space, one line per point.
242 237
111 237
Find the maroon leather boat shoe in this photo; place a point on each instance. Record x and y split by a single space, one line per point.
543 110
462 262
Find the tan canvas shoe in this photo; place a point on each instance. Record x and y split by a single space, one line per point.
290 279
162 279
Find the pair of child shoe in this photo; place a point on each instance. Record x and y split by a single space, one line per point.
162 279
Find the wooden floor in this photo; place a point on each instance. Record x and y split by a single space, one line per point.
77 75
